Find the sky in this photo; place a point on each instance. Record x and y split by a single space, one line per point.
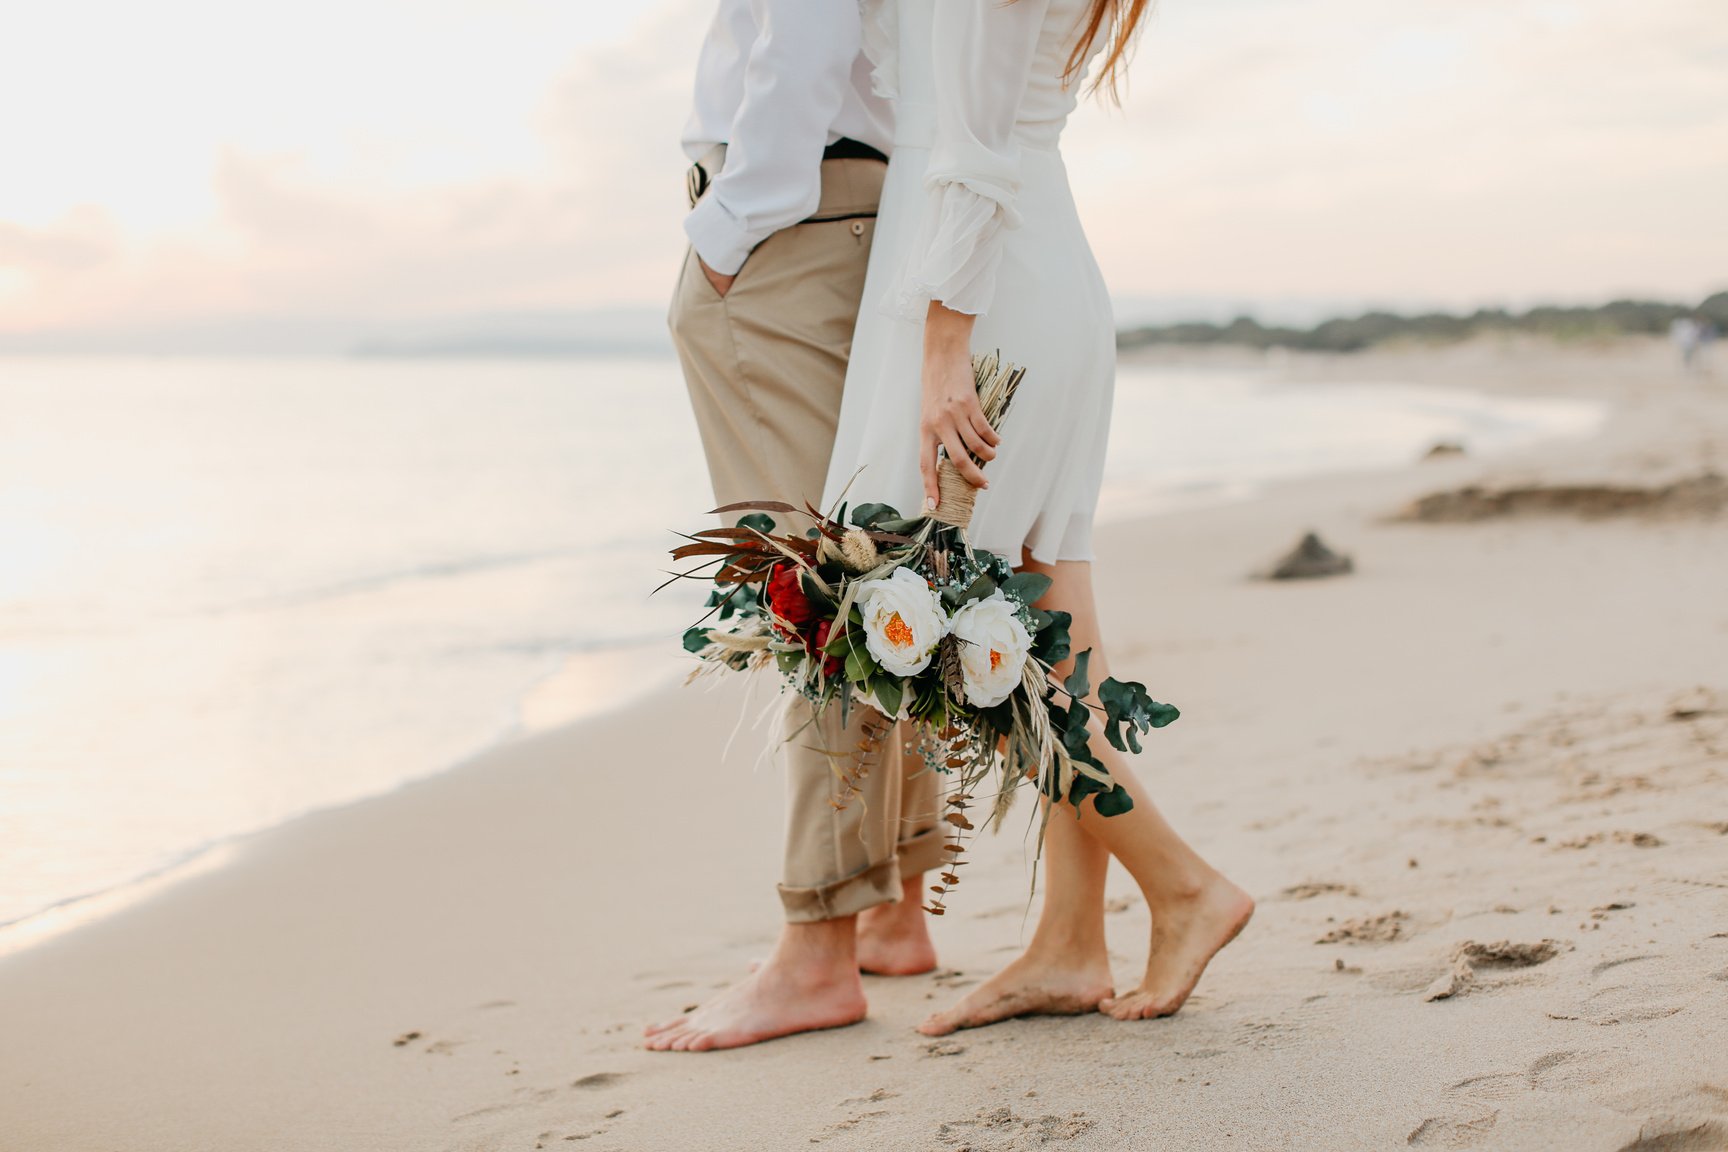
189 162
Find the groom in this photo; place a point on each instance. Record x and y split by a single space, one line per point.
788 144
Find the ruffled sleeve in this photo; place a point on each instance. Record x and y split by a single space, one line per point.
983 52
881 28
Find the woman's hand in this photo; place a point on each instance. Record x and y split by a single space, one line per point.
952 418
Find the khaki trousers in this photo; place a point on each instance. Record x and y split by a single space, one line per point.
765 366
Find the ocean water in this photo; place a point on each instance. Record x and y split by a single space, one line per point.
234 591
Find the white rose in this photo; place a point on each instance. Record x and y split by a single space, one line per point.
993 648
903 621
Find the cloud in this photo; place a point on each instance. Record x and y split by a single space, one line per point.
1448 150
1438 149
84 238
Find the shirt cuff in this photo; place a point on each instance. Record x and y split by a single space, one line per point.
718 237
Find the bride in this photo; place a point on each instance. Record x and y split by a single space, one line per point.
978 247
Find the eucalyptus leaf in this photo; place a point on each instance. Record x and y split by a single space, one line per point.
1026 587
1052 644
980 589
695 639
760 521
1128 711
1114 802
871 515
1077 685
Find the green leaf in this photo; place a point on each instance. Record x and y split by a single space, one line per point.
980 589
760 521
695 639
1114 802
839 643
888 692
870 515
1026 587
1075 737
859 666
1052 644
788 662
814 592
1128 710
1077 685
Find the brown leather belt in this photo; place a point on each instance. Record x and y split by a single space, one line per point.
702 173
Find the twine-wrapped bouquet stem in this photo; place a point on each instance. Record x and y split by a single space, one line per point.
996 383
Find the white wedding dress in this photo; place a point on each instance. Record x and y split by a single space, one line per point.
977 213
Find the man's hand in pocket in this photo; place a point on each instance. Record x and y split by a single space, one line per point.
722 284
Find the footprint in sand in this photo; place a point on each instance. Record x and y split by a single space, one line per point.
598 1080
1469 1110
1470 960
848 1124
1706 1136
1627 992
1000 1130
1312 888
1461 1125
1562 1071
1382 929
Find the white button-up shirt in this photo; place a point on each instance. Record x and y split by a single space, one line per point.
777 81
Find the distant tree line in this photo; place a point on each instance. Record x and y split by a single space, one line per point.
1618 318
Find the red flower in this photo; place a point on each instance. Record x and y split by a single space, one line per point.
831 665
788 601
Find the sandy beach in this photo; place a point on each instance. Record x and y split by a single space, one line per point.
1479 787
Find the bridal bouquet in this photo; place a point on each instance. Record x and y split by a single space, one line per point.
902 616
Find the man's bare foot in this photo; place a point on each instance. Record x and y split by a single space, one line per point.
809 983
894 939
1186 934
764 1005
1031 986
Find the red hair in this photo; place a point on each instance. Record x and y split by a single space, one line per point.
1119 21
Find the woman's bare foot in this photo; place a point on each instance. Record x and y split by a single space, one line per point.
894 939
1031 986
1186 934
810 983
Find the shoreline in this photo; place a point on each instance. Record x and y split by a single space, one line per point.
1481 735
568 694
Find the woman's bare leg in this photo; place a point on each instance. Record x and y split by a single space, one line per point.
1195 909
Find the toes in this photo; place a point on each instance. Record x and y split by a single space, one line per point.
664 1026
937 1025
667 1041
1135 1006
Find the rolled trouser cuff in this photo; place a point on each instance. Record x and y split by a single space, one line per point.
877 884
921 852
